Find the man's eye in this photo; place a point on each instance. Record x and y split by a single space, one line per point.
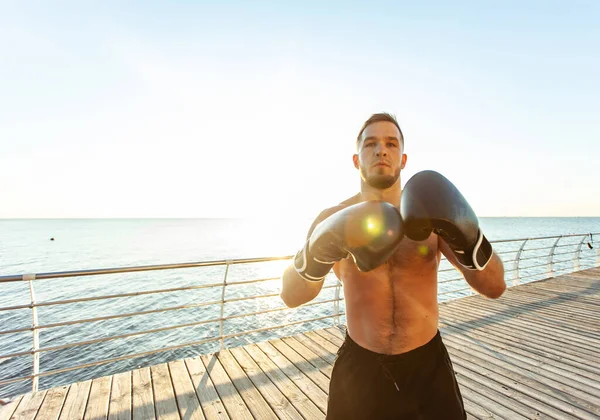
392 144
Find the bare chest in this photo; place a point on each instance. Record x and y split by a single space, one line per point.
411 255
393 307
411 260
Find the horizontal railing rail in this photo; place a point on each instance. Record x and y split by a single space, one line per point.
117 270
518 272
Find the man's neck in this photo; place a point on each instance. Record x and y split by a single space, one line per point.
391 194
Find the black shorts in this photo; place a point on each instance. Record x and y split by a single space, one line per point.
419 384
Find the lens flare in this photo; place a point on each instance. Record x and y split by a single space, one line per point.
373 225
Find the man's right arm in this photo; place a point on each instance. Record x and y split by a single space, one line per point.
333 238
295 290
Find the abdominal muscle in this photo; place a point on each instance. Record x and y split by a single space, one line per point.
393 309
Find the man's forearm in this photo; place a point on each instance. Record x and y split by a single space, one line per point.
490 281
295 290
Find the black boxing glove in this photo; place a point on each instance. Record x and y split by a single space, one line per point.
430 202
369 232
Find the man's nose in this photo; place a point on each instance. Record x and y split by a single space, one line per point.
381 151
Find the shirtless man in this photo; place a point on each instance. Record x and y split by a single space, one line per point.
393 363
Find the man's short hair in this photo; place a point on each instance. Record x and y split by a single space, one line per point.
382 116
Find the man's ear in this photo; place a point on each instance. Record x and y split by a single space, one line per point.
355 160
404 157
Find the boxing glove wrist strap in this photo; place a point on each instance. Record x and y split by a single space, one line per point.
478 257
309 267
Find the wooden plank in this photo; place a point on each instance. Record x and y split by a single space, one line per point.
326 344
298 399
7 410
29 406
565 311
550 360
542 297
142 394
526 384
565 282
53 403
473 409
579 302
276 399
326 355
557 331
97 406
305 366
547 296
76 401
547 317
573 280
255 401
562 331
120 397
519 328
232 400
488 400
538 298
205 390
582 277
324 367
337 331
566 278
520 331
164 395
480 380
302 381
557 294
333 339
517 333
505 360
187 401
569 309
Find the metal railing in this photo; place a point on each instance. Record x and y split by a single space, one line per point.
504 248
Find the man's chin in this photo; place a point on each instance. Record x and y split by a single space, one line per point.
381 182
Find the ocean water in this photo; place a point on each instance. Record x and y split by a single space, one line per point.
80 244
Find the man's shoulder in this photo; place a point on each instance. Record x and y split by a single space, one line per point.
355 199
332 210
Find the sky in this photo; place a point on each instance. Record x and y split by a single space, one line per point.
251 109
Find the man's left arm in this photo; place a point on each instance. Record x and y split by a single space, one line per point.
488 282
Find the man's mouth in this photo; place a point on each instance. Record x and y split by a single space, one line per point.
382 164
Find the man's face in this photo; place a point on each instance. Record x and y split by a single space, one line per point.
380 155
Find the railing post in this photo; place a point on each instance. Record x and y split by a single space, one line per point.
551 258
221 318
516 277
577 261
597 250
36 337
336 304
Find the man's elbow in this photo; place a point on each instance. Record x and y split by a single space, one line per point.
289 301
497 291
495 278
293 300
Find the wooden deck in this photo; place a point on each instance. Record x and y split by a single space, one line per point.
534 353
